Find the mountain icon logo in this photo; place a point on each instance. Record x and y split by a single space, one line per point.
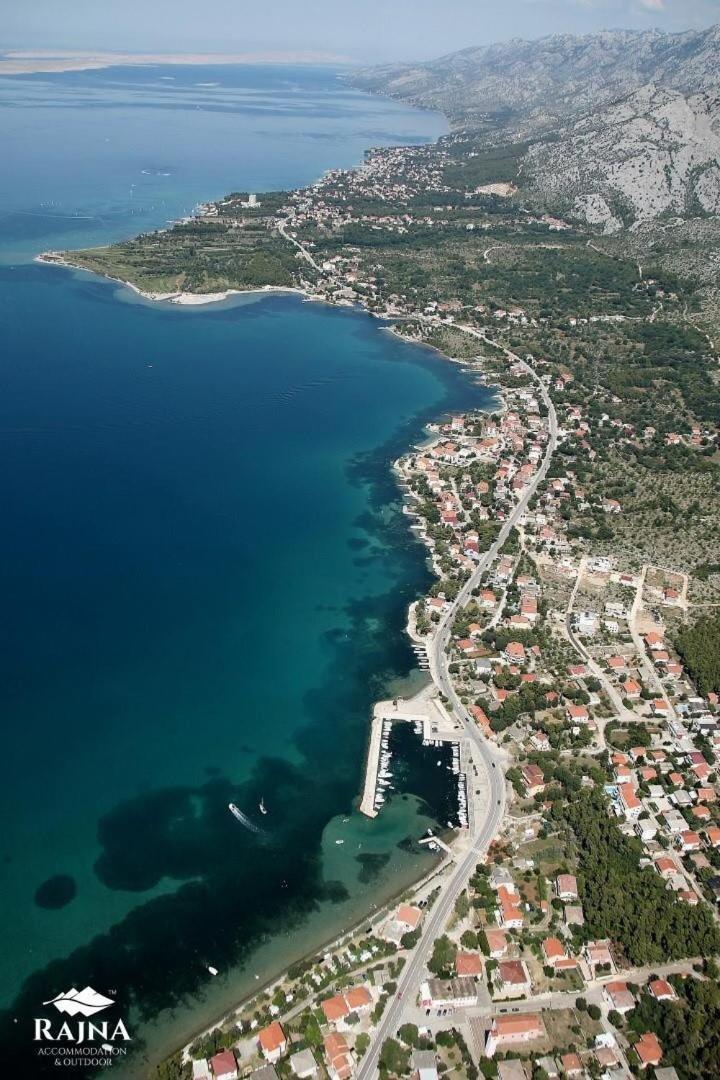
87 1001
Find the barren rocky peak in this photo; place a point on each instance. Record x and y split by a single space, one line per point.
557 76
623 127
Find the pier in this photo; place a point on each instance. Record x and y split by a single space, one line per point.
436 842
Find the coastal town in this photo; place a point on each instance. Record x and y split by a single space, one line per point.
564 661
564 664
570 926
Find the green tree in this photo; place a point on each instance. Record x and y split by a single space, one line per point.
442 961
394 1058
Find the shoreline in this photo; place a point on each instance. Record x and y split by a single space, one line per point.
373 917
413 887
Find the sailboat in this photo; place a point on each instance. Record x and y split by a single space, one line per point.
262 807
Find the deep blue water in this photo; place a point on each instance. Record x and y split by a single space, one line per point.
203 565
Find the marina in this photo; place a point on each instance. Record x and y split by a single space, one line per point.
433 727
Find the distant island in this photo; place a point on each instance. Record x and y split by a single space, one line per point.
31 61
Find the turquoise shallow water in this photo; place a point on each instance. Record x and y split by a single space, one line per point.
92 156
204 574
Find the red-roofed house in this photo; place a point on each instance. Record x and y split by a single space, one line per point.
632 807
553 951
335 1009
272 1042
619 997
508 913
339 1057
480 717
598 955
533 779
661 990
631 689
511 1030
648 1049
514 652
571 1065
408 916
512 979
468 964
566 886
498 942
358 999
223 1065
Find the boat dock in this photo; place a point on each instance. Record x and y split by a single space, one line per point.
435 841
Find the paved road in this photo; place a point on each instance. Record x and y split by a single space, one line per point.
651 676
301 247
485 754
611 690
556 999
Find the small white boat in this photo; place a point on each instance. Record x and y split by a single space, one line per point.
212 970
339 841
261 807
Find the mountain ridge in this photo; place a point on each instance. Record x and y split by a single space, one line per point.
619 128
560 72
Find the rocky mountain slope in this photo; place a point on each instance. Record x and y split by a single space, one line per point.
623 127
655 153
532 85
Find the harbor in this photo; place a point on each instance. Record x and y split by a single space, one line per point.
433 727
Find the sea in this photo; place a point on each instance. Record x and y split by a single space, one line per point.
204 564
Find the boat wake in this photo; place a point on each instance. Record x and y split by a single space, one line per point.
244 819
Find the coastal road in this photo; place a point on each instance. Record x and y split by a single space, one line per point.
485 753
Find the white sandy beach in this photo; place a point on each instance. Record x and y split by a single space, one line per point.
184 299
